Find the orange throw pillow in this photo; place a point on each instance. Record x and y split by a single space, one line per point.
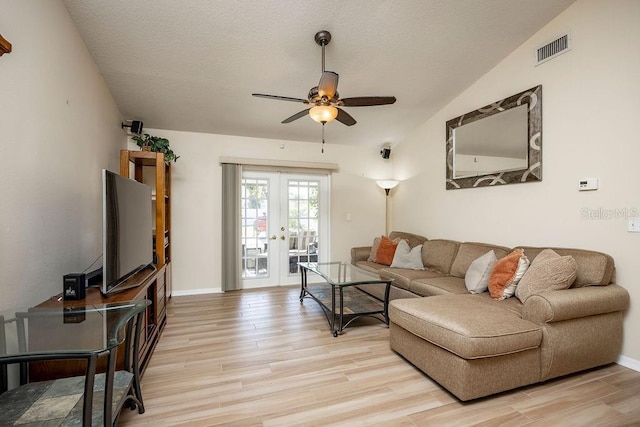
386 251
506 274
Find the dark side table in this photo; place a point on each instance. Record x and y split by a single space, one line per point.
84 333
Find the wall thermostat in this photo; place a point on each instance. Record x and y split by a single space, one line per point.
587 184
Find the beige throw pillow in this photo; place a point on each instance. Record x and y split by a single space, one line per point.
374 249
548 271
476 279
405 257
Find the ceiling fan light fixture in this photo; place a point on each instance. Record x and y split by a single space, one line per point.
323 113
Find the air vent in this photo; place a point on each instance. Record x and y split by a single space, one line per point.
550 50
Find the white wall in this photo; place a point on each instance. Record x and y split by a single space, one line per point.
590 111
59 127
196 198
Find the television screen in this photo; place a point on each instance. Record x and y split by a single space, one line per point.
127 231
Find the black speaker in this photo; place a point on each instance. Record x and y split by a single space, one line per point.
73 286
136 126
385 153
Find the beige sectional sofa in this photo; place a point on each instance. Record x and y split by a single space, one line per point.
475 346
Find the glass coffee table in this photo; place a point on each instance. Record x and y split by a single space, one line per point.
339 293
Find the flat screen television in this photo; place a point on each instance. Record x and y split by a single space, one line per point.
127 232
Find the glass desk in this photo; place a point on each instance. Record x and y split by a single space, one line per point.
340 296
83 333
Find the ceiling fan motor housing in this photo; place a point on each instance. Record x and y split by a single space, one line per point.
315 98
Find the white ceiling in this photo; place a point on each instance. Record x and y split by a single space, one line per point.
191 65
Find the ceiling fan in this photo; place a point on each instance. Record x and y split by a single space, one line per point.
324 99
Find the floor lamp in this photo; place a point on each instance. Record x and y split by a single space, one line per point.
387 185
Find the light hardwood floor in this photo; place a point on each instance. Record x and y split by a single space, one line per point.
259 357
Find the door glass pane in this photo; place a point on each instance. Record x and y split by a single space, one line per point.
302 219
255 215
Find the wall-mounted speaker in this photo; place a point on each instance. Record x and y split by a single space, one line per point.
135 126
385 153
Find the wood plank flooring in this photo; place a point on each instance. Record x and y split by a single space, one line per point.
260 358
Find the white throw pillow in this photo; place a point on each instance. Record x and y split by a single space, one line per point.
477 277
405 257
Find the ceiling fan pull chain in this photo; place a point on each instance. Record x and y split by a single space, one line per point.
322 151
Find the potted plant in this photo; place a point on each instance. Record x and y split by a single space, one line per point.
156 144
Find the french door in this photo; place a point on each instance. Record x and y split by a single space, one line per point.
285 220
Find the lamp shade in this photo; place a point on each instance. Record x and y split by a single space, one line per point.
323 113
387 184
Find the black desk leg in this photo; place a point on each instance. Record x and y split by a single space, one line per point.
108 386
89 380
136 366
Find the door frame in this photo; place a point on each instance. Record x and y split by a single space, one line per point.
278 262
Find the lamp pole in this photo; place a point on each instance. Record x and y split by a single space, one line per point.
387 185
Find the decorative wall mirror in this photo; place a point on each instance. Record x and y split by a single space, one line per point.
498 144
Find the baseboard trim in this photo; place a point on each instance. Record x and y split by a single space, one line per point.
201 291
628 362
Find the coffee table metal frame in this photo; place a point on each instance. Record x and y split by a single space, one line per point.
335 275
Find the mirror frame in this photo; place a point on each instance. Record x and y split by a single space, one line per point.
533 172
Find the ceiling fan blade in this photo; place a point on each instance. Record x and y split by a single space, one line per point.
367 101
328 84
280 98
345 118
296 116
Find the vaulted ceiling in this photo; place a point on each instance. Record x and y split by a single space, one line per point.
192 65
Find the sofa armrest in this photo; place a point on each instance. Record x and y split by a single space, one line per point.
360 253
555 306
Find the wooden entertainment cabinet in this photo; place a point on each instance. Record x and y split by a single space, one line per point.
153 288
150 168
160 180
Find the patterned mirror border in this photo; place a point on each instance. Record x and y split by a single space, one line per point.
532 98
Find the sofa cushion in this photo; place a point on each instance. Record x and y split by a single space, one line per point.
549 271
466 325
413 239
370 266
512 304
402 276
437 255
406 257
442 285
477 277
506 274
468 252
594 268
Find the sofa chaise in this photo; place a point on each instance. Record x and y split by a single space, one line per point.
475 346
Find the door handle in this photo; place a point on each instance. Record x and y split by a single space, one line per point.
274 237
282 237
